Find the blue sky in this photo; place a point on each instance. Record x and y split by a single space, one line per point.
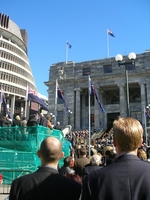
84 23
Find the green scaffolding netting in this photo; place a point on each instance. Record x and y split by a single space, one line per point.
18 147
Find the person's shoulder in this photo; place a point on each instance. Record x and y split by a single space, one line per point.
21 179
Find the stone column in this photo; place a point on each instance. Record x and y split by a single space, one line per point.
143 99
12 106
77 109
123 102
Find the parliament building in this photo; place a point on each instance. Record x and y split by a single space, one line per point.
123 90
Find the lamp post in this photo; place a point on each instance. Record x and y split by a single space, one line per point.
119 59
69 113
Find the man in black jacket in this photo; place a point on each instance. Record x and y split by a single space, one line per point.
46 182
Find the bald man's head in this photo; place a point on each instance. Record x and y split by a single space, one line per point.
50 150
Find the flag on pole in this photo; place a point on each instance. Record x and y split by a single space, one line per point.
61 96
33 96
93 91
146 113
69 45
110 33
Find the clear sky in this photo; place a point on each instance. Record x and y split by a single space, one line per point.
84 24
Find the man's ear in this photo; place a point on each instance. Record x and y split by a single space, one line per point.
61 155
114 142
141 143
39 153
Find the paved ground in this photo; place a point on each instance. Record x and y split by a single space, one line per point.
3 196
4 191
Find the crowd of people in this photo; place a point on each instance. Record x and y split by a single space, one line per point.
116 167
33 120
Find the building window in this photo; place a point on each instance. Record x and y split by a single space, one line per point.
86 71
107 69
136 99
115 100
92 120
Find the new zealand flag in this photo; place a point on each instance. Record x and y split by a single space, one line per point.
33 96
61 96
92 91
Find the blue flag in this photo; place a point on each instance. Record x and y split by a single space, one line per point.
147 113
69 45
110 33
61 96
93 91
32 96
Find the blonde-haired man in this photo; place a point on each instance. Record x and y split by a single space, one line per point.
127 177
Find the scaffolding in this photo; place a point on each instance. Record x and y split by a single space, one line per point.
18 149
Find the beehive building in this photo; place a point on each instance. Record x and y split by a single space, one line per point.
15 70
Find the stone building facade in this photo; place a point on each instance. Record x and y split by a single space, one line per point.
110 84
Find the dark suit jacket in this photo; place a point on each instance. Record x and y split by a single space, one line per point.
43 121
45 183
89 168
16 122
128 178
80 164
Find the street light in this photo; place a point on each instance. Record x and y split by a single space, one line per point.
69 113
119 58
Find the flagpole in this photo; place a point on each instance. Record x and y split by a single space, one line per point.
89 119
25 113
55 104
66 52
145 126
107 44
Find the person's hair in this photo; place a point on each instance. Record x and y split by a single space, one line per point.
50 149
48 117
96 159
83 151
17 117
142 154
24 118
128 133
107 149
67 161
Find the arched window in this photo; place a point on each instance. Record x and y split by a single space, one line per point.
115 100
136 99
